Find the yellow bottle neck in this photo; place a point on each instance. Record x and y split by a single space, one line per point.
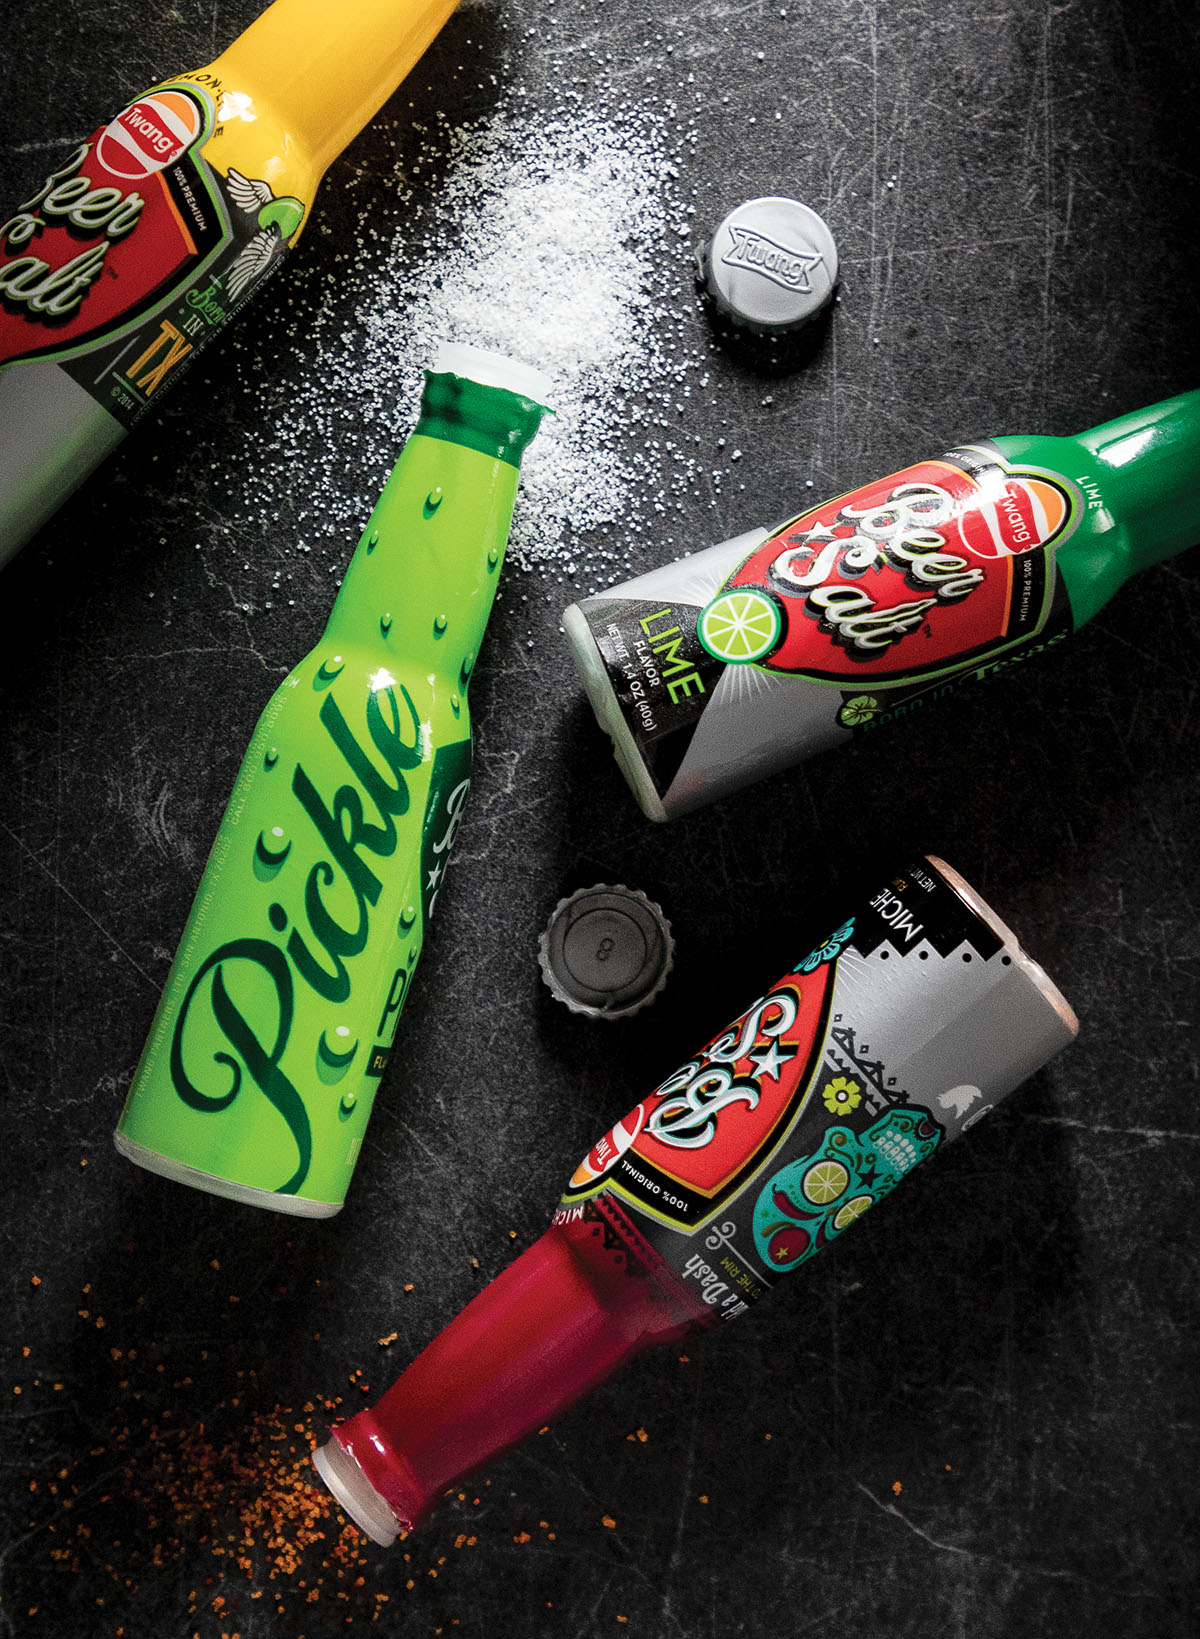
325 67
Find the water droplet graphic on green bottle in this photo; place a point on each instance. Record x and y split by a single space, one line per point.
466 669
284 996
433 500
334 1057
493 557
270 852
455 704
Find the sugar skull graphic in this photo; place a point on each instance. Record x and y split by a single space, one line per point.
813 1199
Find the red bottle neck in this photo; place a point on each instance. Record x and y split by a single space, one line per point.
566 1315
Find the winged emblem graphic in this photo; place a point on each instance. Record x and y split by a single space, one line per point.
276 220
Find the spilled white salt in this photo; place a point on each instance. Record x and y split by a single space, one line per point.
558 240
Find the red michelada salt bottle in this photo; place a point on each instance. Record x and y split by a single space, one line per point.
882 1045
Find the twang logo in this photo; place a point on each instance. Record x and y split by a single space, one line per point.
150 134
789 268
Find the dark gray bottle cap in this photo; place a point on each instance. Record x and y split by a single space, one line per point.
606 951
771 265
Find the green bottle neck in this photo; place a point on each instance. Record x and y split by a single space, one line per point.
492 420
1139 479
1149 466
420 586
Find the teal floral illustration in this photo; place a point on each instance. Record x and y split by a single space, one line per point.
831 948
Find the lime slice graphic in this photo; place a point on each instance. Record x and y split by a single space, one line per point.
825 1181
852 1210
740 626
859 710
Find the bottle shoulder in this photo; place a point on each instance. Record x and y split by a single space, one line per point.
254 138
1094 551
1138 478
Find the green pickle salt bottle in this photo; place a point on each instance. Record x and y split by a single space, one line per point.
278 1015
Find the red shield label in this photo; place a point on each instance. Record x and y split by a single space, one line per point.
906 575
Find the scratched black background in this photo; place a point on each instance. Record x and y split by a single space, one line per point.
1013 1338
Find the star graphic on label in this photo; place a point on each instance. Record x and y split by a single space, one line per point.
434 876
770 1060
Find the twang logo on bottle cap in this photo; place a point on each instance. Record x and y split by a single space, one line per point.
771 264
783 266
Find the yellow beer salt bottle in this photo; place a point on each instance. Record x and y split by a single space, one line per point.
152 233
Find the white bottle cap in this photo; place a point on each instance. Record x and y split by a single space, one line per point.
772 265
355 1494
459 358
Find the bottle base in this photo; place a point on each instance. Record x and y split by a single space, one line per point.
354 1493
166 1166
1033 971
608 712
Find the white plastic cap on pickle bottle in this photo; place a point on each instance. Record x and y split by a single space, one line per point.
460 358
771 266
606 951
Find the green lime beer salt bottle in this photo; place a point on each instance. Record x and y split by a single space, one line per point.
280 1008
741 660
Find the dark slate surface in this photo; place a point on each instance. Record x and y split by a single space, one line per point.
982 1405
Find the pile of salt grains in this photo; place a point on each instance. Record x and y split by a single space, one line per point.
562 240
